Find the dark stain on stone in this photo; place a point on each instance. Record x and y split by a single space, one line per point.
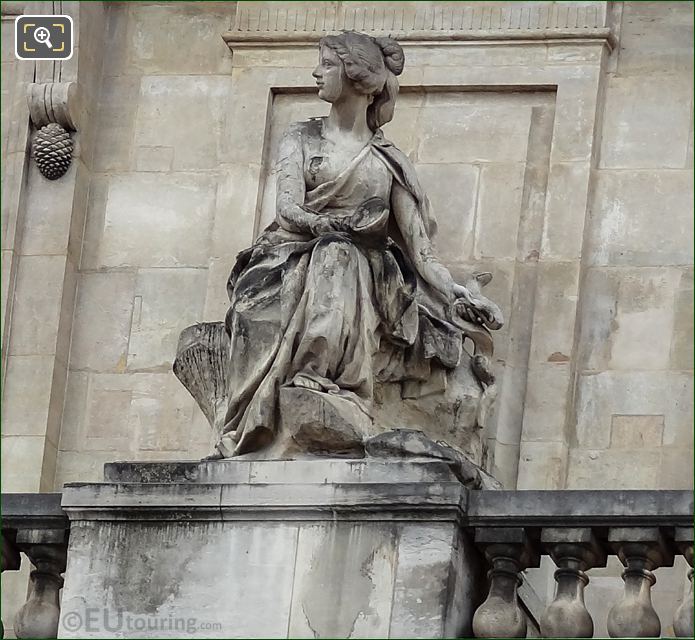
558 357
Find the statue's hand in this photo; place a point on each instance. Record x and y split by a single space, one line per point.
476 308
324 224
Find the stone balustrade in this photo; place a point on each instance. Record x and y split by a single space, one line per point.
34 525
511 529
578 530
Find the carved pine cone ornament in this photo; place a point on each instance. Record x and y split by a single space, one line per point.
52 151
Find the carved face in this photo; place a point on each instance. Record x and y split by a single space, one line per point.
330 75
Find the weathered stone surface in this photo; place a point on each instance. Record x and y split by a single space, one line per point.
154 158
455 239
204 52
676 468
499 210
637 431
20 471
566 209
235 213
601 396
626 230
656 39
554 314
631 306
405 443
197 99
681 352
593 469
317 557
404 129
543 465
309 470
546 402
418 594
359 602
28 390
123 415
575 116
258 569
37 307
323 425
158 316
461 135
640 127
202 364
103 315
46 225
176 210
115 121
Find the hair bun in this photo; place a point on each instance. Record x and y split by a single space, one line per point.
394 58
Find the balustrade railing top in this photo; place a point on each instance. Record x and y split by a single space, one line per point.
512 530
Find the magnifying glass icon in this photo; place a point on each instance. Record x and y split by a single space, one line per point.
42 36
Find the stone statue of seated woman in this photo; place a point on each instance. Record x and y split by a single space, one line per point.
344 333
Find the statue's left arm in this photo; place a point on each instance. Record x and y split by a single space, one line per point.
419 246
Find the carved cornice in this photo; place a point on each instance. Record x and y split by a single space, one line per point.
298 24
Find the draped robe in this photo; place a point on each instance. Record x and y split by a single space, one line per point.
341 309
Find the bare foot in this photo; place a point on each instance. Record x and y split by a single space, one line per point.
306 383
215 455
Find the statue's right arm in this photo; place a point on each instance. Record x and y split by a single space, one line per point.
291 188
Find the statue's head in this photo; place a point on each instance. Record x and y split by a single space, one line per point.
359 63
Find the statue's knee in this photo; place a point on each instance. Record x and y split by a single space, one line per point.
335 249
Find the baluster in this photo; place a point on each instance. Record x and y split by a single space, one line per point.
508 552
683 618
641 550
573 550
11 561
40 614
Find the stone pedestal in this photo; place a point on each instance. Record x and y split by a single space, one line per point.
270 549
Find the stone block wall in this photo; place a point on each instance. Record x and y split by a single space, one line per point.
633 405
155 205
558 165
